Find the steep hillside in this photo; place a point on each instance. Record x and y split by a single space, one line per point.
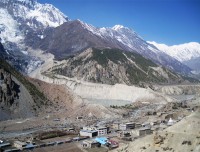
68 103
111 66
75 39
194 64
18 97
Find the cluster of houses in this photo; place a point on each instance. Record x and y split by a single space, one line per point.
15 146
127 131
94 131
100 141
97 136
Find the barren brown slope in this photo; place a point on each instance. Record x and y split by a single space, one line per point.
65 103
19 97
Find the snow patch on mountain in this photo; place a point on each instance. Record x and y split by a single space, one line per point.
46 14
9 30
153 49
182 52
117 27
90 28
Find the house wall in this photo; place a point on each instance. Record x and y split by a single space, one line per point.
115 126
83 133
130 126
122 127
102 131
142 132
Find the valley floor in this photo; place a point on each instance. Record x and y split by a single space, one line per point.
174 138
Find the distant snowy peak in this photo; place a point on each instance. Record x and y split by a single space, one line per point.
182 52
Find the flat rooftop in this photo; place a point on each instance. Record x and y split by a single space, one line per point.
89 131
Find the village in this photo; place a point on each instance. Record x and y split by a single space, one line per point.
100 136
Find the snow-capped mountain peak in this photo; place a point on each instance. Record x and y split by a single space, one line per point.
182 52
23 23
34 14
47 14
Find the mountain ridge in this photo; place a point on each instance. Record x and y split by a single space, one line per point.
187 53
111 66
182 52
35 30
75 36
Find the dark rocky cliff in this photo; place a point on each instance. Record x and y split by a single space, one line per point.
9 90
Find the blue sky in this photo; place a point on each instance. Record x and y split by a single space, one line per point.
164 21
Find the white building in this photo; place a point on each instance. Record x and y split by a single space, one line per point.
170 122
101 130
89 133
19 144
127 126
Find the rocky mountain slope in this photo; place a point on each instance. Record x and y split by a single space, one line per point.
188 53
23 97
75 36
195 65
111 66
18 97
9 90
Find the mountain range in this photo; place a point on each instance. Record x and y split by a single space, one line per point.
28 26
75 36
188 53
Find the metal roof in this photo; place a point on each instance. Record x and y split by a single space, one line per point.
89 131
101 140
4 144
